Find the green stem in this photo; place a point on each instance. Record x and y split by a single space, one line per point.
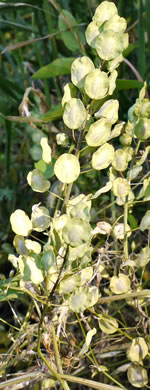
126 231
57 357
8 145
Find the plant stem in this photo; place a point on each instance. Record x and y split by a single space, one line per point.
126 231
57 357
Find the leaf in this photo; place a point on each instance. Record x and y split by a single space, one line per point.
141 40
128 84
147 15
53 114
20 223
78 252
47 169
76 232
74 38
67 168
10 294
138 350
58 67
132 221
6 193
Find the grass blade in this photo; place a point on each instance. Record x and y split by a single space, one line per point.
141 42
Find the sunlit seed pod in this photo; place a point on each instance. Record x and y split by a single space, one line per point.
96 84
80 69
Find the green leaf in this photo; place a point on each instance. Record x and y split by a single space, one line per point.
147 14
58 67
128 84
141 41
47 169
132 221
10 295
53 114
73 37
